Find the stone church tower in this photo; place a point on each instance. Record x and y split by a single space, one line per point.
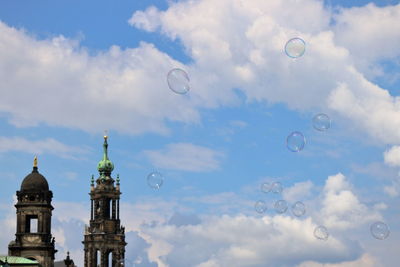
33 239
104 239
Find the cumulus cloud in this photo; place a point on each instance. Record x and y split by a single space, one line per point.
69 236
57 82
37 147
238 45
136 253
244 241
7 224
341 208
250 36
65 211
179 219
377 30
162 232
391 190
368 106
365 260
186 157
298 191
392 156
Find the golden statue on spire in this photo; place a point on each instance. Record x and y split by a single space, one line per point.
35 162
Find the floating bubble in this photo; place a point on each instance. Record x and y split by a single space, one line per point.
178 81
155 180
298 209
260 206
320 232
276 187
265 187
321 122
295 141
380 230
281 206
295 47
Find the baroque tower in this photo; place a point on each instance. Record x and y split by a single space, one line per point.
104 239
33 238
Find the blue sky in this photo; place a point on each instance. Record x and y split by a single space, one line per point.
70 70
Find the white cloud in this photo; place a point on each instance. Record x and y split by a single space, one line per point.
244 241
66 211
341 208
7 224
59 235
376 28
69 219
38 147
57 82
240 45
392 156
160 231
185 156
298 192
365 260
368 106
391 190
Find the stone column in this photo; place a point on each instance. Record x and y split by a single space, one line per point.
113 209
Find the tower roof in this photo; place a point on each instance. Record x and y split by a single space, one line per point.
105 166
34 181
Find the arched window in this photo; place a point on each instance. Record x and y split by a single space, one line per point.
31 224
98 258
109 259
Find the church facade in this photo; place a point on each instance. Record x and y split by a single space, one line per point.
104 238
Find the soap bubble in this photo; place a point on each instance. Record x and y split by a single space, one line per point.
298 208
260 206
295 47
321 233
276 187
155 180
265 187
380 230
281 206
295 141
178 81
321 122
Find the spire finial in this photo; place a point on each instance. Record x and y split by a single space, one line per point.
105 148
105 134
105 166
35 162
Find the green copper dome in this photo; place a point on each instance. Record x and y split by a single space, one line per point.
105 165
